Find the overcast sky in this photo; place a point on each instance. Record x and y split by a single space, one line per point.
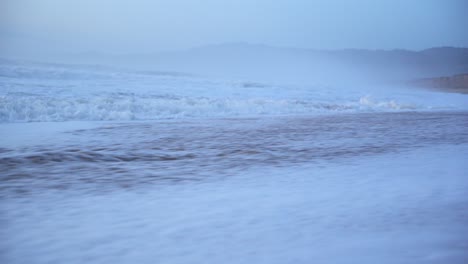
155 25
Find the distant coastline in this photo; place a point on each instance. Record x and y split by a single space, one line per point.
454 84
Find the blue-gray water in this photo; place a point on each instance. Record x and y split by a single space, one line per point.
127 155
101 165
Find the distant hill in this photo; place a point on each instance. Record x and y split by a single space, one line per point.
290 64
293 65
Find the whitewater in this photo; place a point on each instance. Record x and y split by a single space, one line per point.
39 92
103 164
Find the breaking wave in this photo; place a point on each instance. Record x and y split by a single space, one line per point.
38 92
20 107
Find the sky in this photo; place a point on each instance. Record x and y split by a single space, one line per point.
162 25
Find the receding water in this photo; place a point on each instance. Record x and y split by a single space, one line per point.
126 155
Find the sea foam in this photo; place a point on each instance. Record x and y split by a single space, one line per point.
34 92
40 108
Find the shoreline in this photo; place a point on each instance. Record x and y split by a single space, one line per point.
450 84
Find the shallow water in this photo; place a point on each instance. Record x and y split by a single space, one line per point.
125 155
386 188
104 165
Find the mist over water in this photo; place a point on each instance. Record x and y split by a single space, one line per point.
233 131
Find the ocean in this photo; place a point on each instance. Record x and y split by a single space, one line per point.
110 165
